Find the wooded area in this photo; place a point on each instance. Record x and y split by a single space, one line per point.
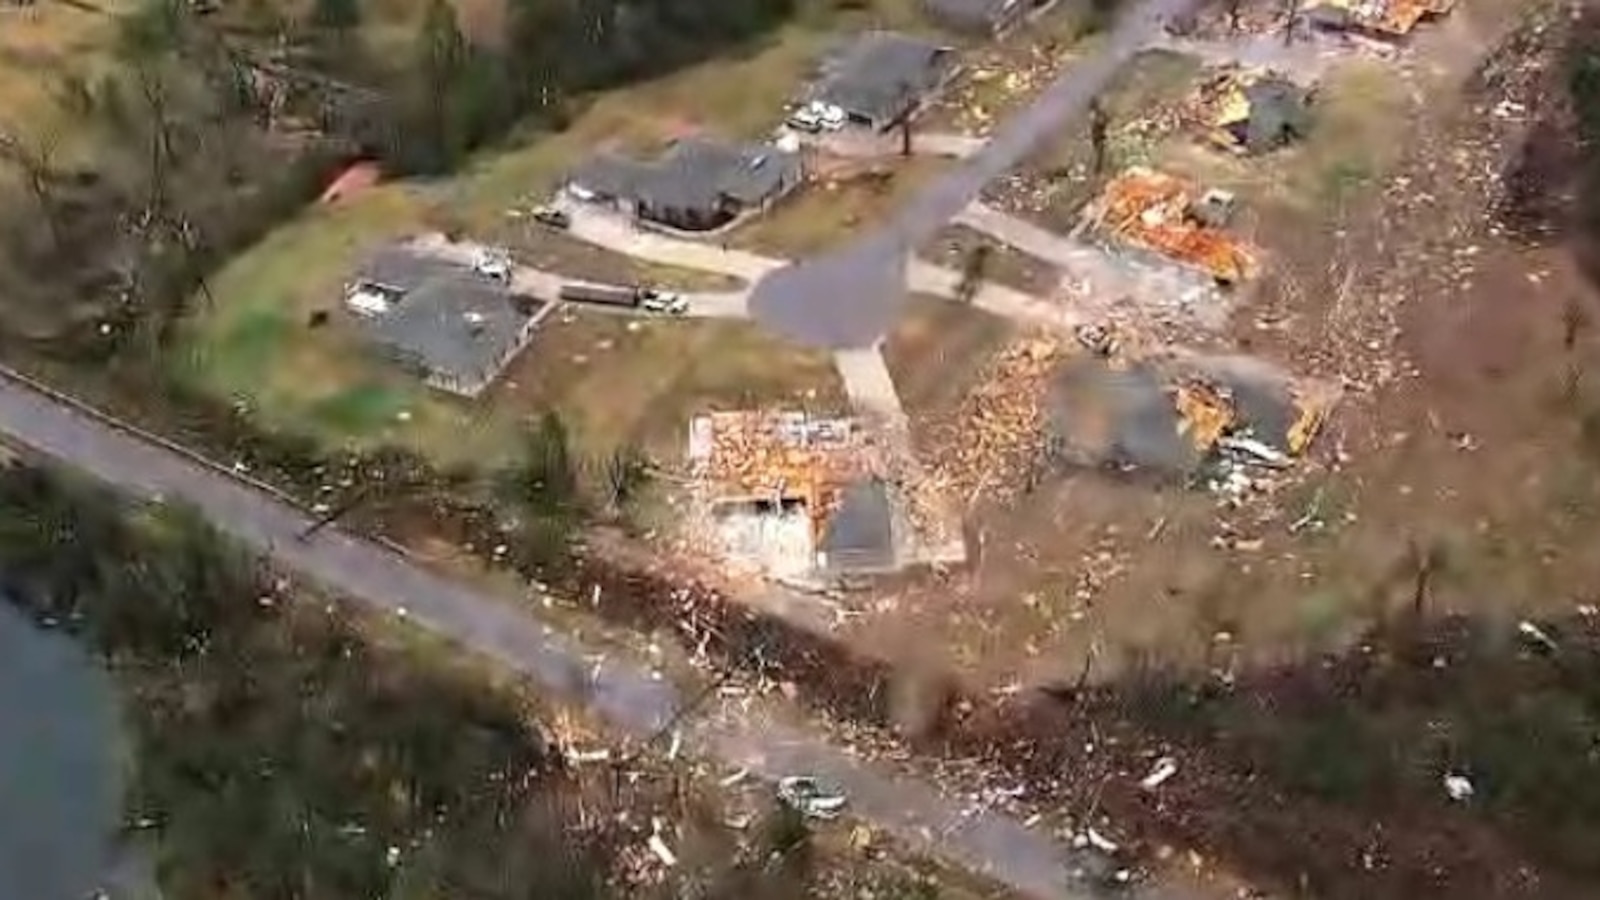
212 127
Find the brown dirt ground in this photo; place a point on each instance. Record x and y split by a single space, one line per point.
1090 565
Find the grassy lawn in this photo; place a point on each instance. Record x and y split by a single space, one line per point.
254 345
937 349
619 380
831 212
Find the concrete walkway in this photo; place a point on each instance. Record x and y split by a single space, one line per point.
611 232
1100 284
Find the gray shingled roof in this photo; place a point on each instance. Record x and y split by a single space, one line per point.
972 15
880 74
456 325
398 268
694 173
859 536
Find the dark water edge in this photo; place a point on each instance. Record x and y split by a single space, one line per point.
61 772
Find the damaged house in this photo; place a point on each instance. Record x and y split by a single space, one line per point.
1252 111
1170 216
1182 420
792 495
1380 18
453 326
696 185
878 79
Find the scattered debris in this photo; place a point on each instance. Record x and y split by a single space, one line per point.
810 797
1250 110
1383 18
1173 217
1165 768
659 847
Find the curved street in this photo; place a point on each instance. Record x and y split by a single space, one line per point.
849 298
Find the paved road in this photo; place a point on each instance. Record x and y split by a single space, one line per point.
610 232
850 297
632 699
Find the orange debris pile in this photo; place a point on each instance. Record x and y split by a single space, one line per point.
757 455
1156 211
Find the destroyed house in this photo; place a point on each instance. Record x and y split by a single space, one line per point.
992 17
1383 18
880 78
457 329
697 185
1253 112
1170 420
1171 217
784 463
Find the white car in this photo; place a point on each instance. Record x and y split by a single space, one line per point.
817 116
652 300
492 263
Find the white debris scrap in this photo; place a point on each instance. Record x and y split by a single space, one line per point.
1165 768
1459 787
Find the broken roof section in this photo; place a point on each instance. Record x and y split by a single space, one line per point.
1252 110
879 77
759 455
1170 418
1171 216
1390 18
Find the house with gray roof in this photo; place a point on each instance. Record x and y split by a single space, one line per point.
454 327
698 184
989 17
880 78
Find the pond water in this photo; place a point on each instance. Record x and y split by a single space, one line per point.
60 771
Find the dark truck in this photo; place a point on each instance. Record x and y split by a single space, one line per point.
648 299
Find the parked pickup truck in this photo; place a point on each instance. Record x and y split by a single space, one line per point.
648 299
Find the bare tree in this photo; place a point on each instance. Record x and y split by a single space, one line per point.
974 266
1235 11
1291 16
906 120
1099 131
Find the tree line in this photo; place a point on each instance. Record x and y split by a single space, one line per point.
207 129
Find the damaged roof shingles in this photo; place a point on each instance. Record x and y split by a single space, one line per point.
880 76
